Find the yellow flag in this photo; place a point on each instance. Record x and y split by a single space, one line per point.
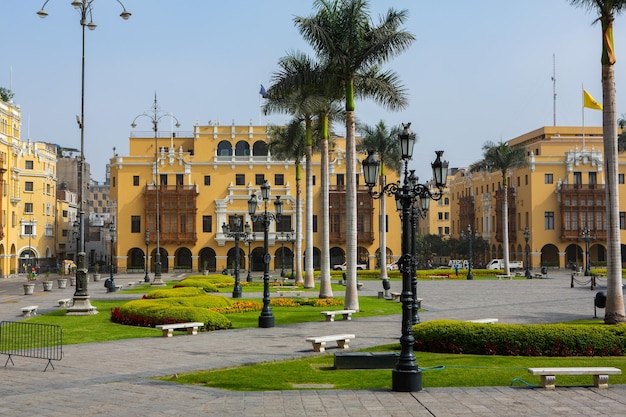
590 102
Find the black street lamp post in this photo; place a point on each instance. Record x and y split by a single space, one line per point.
237 234
291 237
283 236
471 236
155 117
81 304
249 239
266 319
111 283
147 277
406 377
419 207
586 237
526 239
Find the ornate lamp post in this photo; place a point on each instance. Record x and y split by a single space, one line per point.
419 207
586 237
111 285
291 237
283 236
155 117
266 319
249 239
237 234
81 305
147 277
526 239
406 377
470 240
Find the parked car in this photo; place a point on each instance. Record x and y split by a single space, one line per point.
392 266
344 266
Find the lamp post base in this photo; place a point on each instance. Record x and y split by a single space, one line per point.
157 282
81 307
406 381
266 321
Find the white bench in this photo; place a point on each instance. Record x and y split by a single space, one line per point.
168 329
29 311
483 321
319 342
395 296
600 375
504 276
65 302
330 315
433 277
295 293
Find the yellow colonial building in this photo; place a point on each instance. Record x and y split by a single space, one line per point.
559 197
27 198
205 178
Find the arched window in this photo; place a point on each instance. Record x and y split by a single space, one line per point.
259 148
224 148
242 148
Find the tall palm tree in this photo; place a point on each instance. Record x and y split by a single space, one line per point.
384 142
502 158
621 139
346 40
289 143
607 10
301 99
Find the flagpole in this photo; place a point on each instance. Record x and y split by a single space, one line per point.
260 97
583 111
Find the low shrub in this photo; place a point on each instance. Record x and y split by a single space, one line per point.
150 312
448 336
198 283
176 292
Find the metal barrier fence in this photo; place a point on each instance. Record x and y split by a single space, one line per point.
32 340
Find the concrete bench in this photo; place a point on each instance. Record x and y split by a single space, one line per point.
65 302
433 277
330 315
286 288
600 375
295 293
504 276
483 321
395 296
168 329
29 311
319 342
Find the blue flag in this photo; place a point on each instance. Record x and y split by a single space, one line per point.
263 92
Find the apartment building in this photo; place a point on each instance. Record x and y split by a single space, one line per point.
205 178
559 197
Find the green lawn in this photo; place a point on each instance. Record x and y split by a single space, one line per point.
438 370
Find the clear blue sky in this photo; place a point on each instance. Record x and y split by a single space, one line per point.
478 71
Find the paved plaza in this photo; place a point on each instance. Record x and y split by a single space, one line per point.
112 379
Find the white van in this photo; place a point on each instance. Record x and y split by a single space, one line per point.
499 264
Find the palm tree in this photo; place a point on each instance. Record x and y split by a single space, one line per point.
385 143
294 91
607 10
288 143
346 40
501 158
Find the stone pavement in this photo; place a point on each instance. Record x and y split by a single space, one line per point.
112 379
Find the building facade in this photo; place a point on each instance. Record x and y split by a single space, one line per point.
559 197
205 178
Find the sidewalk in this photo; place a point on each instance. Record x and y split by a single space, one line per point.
111 379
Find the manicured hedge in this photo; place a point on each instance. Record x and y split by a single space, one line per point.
150 312
176 292
448 336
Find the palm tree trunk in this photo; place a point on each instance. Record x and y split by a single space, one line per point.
298 236
352 299
614 312
505 224
309 280
326 290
